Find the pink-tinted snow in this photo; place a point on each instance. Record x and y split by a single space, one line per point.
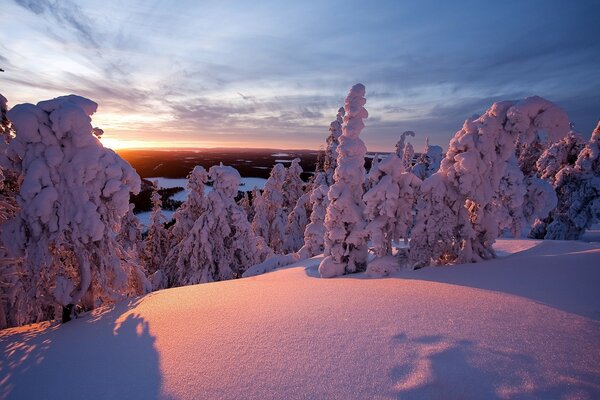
525 325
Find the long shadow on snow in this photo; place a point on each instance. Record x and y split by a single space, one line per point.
107 355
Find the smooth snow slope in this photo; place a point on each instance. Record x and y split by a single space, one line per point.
523 326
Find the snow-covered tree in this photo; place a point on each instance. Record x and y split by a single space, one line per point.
407 156
130 232
296 223
466 186
389 205
192 207
246 204
559 155
428 162
345 241
293 186
221 244
314 233
156 244
401 143
330 162
73 195
270 215
578 191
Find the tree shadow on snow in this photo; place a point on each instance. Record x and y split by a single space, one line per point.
105 354
437 368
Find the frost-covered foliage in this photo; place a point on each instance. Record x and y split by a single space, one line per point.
400 144
293 186
221 243
428 162
389 205
578 191
296 223
521 200
333 140
559 155
246 204
157 241
192 207
270 217
465 189
345 236
73 195
130 232
314 233
407 156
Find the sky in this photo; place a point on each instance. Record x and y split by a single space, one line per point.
273 73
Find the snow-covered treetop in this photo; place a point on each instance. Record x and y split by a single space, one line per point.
226 180
589 158
400 144
536 115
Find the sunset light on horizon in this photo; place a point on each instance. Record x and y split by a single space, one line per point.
227 74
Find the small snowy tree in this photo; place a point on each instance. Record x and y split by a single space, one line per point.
192 207
157 241
345 241
400 145
270 215
333 140
314 233
73 195
296 223
221 245
559 155
578 191
293 186
469 179
428 162
246 204
130 232
407 156
389 205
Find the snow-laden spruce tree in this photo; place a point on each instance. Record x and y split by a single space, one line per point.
559 155
221 244
389 205
407 156
293 186
270 216
428 163
401 143
157 243
578 191
296 224
130 232
73 195
345 237
246 204
333 140
192 207
468 181
521 200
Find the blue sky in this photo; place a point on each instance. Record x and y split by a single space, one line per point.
229 73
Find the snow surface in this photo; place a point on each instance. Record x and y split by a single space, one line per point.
521 326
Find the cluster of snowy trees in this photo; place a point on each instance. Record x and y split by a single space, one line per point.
70 237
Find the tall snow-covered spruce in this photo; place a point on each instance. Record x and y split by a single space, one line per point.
73 195
333 141
345 236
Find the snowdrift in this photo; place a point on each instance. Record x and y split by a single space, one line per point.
525 325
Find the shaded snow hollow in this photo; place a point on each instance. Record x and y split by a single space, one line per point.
522 326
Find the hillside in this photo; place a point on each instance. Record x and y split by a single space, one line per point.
522 326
